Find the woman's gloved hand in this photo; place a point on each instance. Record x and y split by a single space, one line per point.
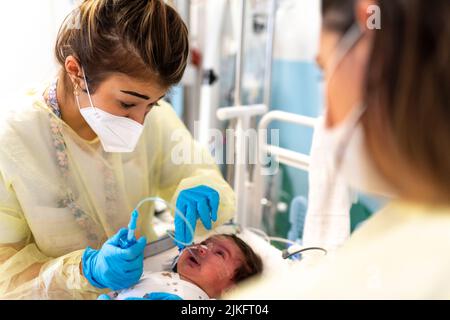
113 267
197 203
157 296
149 296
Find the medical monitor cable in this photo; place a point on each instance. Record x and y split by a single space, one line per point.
287 255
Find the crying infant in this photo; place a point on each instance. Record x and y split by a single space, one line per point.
203 271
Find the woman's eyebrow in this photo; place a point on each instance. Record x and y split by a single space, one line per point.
132 93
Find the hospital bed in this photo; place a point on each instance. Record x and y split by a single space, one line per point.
249 189
249 185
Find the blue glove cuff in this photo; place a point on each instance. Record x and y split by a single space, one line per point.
88 261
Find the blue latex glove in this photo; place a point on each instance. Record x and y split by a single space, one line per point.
157 296
113 267
151 296
197 203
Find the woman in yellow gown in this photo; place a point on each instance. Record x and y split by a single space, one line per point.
60 190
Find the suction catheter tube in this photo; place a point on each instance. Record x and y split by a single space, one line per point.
176 212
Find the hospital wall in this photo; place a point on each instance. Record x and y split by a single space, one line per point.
28 30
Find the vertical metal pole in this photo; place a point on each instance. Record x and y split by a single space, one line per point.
210 86
240 174
258 183
272 6
272 9
240 59
189 91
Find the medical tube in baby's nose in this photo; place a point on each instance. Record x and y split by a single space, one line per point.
202 249
196 250
189 249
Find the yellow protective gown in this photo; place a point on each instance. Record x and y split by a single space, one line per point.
400 253
47 217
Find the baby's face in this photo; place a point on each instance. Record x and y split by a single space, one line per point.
211 266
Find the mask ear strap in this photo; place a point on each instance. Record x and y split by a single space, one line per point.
347 42
355 119
87 88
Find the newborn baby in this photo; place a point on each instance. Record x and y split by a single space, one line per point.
203 271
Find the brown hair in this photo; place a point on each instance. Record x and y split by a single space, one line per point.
407 89
144 39
252 265
338 16
407 83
